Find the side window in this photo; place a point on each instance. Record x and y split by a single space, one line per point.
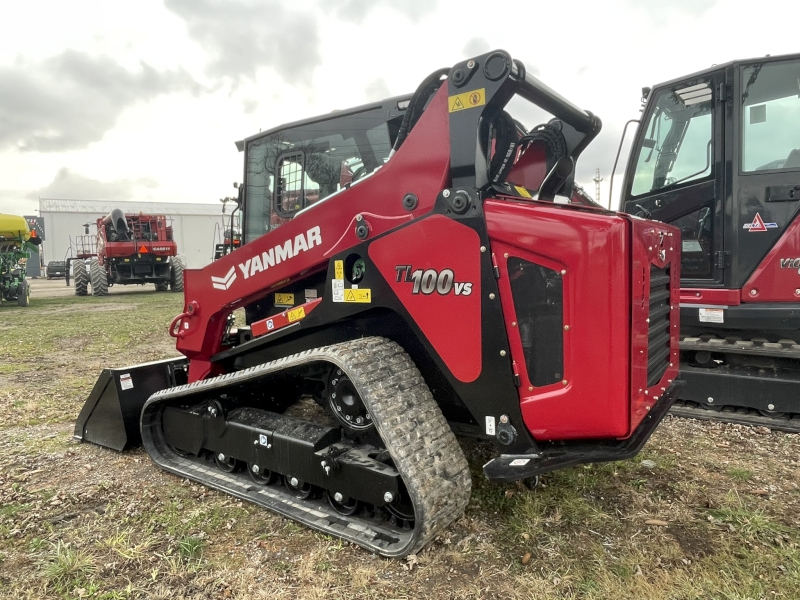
677 147
289 188
770 116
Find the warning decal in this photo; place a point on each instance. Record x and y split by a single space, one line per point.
142 249
467 100
758 224
125 381
296 314
338 267
284 300
358 295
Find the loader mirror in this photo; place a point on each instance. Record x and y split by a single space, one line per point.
86 229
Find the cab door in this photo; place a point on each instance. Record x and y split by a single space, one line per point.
676 172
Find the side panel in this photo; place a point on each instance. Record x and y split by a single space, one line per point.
777 278
438 281
593 252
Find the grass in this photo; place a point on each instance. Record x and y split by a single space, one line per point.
81 521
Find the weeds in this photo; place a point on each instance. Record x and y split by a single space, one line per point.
68 567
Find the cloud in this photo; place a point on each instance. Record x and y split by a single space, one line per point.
475 47
70 100
69 185
658 10
243 36
377 90
356 11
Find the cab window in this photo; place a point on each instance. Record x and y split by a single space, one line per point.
770 116
677 146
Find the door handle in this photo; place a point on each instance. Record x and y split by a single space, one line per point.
783 193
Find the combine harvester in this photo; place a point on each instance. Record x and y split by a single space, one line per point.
128 249
16 243
718 156
410 268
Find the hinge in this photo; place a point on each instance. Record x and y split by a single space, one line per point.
722 259
724 92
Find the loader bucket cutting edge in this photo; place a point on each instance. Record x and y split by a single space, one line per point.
110 415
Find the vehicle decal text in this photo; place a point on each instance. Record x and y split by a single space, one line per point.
429 281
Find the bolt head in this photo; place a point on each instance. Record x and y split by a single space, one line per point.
333 395
348 417
710 400
359 420
483 248
502 352
338 497
446 193
294 481
566 327
221 457
334 381
388 497
471 64
771 406
504 418
491 296
754 292
255 469
327 470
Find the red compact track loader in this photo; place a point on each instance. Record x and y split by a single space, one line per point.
410 269
128 249
717 155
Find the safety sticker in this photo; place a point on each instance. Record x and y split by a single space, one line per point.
490 426
467 100
125 381
519 462
142 249
337 286
338 267
358 295
522 191
712 315
296 314
284 300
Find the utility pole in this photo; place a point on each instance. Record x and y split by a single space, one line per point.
597 179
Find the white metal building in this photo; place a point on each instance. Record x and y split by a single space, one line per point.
196 227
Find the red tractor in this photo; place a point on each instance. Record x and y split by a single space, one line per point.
128 249
410 268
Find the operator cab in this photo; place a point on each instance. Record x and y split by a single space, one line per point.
717 154
297 165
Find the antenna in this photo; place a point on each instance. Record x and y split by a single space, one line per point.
597 179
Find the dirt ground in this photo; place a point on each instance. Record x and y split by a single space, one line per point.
708 510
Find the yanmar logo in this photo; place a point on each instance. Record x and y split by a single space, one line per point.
223 283
274 256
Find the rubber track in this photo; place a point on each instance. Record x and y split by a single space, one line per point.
416 434
736 414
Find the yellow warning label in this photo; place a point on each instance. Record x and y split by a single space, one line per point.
522 191
284 299
338 266
359 295
296 314
467 100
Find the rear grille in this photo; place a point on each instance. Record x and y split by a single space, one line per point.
658 332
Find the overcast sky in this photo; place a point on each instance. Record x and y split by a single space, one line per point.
144 100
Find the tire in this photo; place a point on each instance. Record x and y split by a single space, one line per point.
99 277
81 277
176 275
162 286
24 293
